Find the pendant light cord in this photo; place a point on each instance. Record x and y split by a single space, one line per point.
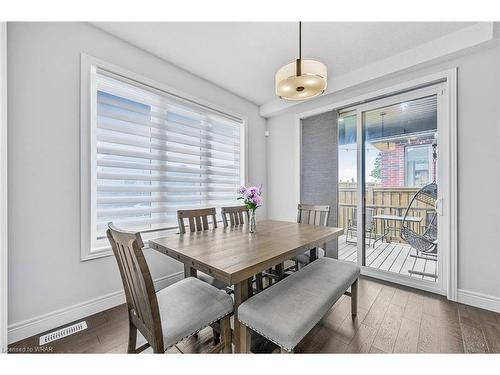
298 63
300 40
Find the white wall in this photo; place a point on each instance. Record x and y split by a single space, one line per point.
478 162
47 282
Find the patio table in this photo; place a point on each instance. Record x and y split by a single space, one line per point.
234 256
387 228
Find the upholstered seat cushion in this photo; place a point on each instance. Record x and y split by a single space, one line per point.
288 310
304 258
189 306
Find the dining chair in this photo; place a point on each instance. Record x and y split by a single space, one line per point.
198 220
168 316
315 215
234 216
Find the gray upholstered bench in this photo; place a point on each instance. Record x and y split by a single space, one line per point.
288 310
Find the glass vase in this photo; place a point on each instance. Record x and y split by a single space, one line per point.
252 224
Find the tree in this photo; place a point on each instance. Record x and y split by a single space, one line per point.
377 169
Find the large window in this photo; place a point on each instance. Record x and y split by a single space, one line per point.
152 153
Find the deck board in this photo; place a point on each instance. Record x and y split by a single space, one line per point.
393 257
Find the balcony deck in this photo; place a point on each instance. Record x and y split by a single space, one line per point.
392 257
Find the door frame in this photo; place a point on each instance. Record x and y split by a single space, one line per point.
448 150
439 91
3 190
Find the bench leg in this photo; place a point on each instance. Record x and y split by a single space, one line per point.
354 298
284 351
245 339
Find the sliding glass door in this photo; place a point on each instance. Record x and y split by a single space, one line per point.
388 186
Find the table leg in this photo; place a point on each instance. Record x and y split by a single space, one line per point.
241 335
189 271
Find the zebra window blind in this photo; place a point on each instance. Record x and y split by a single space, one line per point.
156 153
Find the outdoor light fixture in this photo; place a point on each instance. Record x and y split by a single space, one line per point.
301 79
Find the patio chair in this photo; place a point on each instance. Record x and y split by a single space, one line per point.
369 226
425 244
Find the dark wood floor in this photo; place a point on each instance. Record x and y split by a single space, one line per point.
391 319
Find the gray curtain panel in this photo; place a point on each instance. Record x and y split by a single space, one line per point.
319 167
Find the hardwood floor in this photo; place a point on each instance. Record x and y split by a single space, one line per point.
391 319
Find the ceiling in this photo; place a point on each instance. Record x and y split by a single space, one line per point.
243 57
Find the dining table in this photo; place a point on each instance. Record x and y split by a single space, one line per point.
233 255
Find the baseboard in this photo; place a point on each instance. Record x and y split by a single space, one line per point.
480 300
21 330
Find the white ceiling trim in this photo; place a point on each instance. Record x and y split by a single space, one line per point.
437 48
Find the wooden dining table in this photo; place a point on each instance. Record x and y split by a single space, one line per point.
234 255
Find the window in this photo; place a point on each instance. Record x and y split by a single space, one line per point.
152 153
418 169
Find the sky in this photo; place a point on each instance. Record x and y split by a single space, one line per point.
347 162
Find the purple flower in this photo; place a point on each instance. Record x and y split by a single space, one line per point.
252 196
257 200
253 189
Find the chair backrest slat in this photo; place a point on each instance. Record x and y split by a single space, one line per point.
199 228
198 219
235 215
140 293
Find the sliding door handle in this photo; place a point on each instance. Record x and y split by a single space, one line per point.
438 207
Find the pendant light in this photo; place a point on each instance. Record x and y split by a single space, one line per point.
301 79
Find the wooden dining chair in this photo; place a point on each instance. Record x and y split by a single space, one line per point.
237 215
315 215
200 220
197 218
178 311
234 216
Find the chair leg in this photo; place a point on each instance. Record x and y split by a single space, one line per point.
270 280
279 270
225 324
259 285
354 298
132 337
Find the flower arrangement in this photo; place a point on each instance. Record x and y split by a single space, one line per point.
252 197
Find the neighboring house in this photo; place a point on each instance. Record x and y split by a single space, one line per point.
405 162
